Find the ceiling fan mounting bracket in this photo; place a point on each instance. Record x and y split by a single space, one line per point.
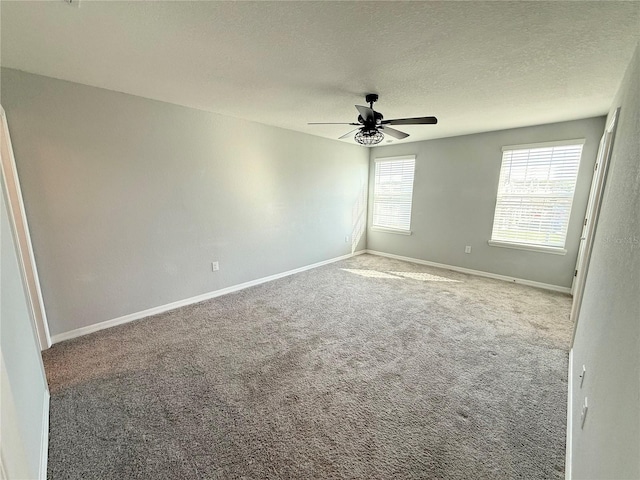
371 98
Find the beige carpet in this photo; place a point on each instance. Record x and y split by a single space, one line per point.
369 368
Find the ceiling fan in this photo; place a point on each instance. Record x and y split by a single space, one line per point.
372 127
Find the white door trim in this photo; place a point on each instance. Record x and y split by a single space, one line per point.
569 438
18 218
591 219
3 473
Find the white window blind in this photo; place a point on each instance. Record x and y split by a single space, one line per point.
392 193
535 193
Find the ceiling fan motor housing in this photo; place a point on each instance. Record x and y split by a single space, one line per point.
377 120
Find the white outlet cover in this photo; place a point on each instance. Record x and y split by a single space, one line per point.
583 414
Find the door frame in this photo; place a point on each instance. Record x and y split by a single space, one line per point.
590 222
18 218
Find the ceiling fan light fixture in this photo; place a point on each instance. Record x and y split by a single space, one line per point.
369 136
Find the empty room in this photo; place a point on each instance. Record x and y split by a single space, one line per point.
320 240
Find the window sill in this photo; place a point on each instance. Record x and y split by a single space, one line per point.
532 248
391 230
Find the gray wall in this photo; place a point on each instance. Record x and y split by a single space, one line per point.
454 197
607 339
129 200
22 381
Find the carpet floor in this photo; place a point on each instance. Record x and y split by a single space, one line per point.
368 368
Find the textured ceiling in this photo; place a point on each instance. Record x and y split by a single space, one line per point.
477 66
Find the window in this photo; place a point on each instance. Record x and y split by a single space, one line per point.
535 193
392 192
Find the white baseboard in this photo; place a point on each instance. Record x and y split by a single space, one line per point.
44 442
480 273
567 462
78 332
234 288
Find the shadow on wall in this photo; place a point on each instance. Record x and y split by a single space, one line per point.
359 216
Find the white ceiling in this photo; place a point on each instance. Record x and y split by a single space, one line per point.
478 66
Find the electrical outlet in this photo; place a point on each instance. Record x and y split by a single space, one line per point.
347 238
215 266
583 414
582 375
467 249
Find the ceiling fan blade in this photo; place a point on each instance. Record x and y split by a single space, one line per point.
331 123
393 132
366 113
347 134
411 121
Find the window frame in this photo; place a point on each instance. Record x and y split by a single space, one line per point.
552 249
385 229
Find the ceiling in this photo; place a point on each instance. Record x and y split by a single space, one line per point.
477 66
